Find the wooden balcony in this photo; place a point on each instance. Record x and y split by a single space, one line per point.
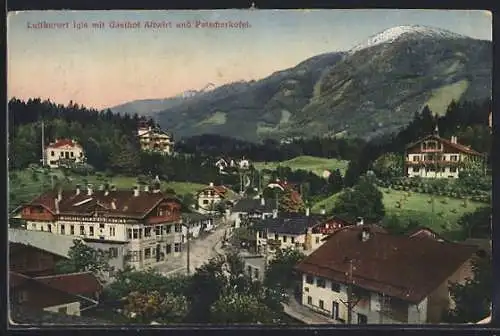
37 216
163 219
431 162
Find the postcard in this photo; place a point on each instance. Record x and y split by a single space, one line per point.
250 166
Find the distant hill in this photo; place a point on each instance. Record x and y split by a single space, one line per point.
372 89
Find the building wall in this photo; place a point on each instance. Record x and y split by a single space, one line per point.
54 154
371 306
36 295
440 300
31 261
68 309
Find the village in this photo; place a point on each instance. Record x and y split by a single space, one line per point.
327 267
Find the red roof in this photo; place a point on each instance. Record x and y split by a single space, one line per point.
64 142
457 146
398 266
17 279
85 284
125 203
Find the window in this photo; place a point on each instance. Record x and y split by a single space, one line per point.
321 304
158 230
168 249
260 234
309 279
129 233
113 252
62 310
335 287
277 237
453 169
416 158
52 153
284 239
147 253
335 310
428 157
91 231
42 227
101 226
136 233
177 228
72 230
292 239
317 240
454 157
72 154
168 228
112 231
309 300
362 319
177 247
61 154
135 256
416 169
140 233
256 273
147 232
82 230
49 227
63 231
205 202
320 282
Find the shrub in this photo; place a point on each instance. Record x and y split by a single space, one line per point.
453 210
444 201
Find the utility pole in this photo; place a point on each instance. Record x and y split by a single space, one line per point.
188 247
349 294
43 143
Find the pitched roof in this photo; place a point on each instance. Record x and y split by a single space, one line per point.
457 146
126 204
398 266
425 232
222 191
290 223
63 142
83 283
47 241
251 204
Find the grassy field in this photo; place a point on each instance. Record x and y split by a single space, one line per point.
25 187
419 207
314 164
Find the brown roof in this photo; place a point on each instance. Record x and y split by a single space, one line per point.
17 279
457 146
64 142
425 232
126 204
84 283
398 266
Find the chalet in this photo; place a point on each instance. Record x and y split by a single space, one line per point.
210 196
52 294
153 139
251 208
436 157
223 163
137 228
63 152
304 232
388 278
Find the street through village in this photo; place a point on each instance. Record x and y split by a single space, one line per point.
202 249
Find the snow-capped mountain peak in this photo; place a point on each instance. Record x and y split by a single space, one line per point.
394 33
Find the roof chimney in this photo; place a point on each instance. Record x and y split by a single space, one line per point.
56 205
136 191
156 187
112 187
106 192
360 221
262 201
453 139
275 213
101 187
308 211
113 205
78 189
365 234
211 184
89 189
59 194
146 188
323 210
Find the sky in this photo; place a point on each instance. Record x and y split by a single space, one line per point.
104 67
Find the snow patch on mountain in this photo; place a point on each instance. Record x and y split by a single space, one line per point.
411 31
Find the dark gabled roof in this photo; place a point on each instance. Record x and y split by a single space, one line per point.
290 223
457 146
126 204
83 283
397 266
253 205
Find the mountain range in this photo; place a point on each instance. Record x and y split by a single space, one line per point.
372 89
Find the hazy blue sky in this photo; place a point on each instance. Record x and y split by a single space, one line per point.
105 67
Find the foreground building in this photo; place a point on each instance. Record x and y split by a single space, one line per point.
436 157
137 228
393 279
63 152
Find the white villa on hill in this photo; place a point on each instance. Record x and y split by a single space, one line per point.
63 151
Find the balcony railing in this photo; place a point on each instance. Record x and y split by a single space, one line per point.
427 162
